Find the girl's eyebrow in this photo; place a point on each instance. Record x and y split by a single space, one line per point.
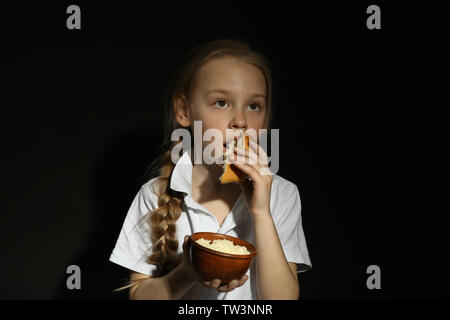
255 95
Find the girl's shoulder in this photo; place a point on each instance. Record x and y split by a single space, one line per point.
285 202
281 186
148 190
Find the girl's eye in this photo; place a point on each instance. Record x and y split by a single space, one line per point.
255 105
220 104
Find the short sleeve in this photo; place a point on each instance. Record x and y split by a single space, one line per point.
134 244
288 222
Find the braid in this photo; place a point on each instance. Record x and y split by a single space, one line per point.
163 220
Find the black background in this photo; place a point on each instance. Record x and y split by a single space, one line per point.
82 116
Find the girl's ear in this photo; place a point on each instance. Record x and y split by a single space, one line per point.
182 111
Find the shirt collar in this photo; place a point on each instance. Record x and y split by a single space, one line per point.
182 181
182 174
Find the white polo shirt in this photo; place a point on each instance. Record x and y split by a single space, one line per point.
134 243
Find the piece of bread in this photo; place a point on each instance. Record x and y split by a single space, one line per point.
231 173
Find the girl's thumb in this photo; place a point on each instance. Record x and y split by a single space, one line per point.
186 242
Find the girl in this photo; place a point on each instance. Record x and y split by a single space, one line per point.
226 85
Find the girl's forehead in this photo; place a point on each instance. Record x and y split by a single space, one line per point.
227 64
227 73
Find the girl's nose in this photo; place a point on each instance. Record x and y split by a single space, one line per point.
238 120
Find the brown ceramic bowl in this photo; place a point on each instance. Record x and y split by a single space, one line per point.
212 264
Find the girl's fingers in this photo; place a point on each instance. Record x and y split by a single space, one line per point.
186 248
242 281
253 158
254 171
256 148
213 284
233 284
248 169
228 287
242 153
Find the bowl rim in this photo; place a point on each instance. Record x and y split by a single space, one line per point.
228 255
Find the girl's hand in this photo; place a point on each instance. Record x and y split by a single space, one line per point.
254 162
214 284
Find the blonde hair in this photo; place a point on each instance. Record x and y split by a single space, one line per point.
163 219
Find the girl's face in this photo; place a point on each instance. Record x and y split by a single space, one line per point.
228 94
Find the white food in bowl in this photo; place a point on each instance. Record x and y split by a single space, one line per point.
223 245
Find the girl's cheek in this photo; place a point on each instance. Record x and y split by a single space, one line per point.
212 122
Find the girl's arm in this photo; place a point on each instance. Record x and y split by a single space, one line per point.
275 278
169 287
